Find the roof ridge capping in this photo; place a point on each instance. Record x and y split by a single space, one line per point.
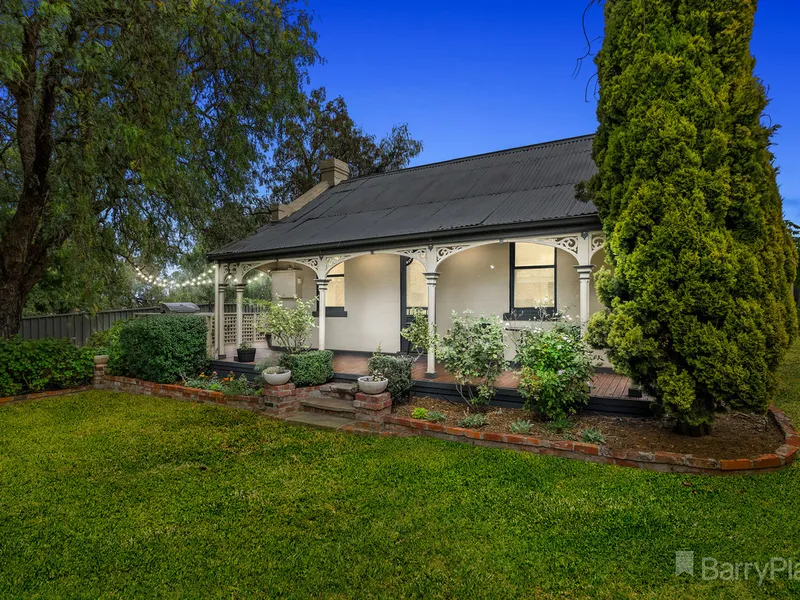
568 140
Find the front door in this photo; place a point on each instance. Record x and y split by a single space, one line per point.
413 294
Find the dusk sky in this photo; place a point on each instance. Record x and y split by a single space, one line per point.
472 77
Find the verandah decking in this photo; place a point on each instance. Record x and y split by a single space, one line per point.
609 393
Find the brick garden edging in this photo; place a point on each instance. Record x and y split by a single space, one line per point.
669 462
373 415
47 394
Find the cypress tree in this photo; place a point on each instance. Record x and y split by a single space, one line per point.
701 266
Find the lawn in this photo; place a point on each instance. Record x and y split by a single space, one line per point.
116 495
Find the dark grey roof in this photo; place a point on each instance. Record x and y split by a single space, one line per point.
499 191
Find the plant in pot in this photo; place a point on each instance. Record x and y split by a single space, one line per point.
373 384
245 352
276 375
272 372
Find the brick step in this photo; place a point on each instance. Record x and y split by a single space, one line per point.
320 421
328 405
345 391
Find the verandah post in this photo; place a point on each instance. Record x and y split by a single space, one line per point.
432 279
322 287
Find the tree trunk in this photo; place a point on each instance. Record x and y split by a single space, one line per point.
11 302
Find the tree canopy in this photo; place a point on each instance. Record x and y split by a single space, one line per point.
699 292
324 129
125 124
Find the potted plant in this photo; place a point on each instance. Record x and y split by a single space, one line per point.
373 384
276 375
245 352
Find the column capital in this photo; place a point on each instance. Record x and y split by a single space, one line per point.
432 277
240 287
584 270
322 283
222 287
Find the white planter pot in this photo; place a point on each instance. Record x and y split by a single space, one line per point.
277 378
366 385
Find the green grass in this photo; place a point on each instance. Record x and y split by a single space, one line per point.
113 495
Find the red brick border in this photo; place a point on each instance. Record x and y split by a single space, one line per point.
669 462
47 394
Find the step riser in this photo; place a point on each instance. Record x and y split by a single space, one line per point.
347 414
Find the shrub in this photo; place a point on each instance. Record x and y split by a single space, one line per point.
38 365
556 367
474 421
290 327
309 368
160 348
592 436
434 416
699 297
397 369
419 413
473 351
521 426
419 333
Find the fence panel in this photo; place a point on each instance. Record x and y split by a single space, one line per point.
77 326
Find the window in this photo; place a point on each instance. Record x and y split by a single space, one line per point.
533 281
334 297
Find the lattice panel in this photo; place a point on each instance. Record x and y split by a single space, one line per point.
230 328
248 328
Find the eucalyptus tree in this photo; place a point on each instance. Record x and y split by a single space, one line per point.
126 123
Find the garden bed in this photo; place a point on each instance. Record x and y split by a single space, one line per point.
735 435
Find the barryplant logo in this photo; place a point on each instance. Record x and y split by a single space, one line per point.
713 569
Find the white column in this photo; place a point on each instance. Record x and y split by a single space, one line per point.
221 317
322 287
216 350
585 278
239 312
432 278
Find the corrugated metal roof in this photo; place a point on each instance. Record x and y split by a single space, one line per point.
527 185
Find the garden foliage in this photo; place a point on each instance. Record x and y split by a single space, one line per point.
556 367
290 328
699 293
473 351
160 348
397 369
38 365
309 368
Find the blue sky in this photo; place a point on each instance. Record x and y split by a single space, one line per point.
471 77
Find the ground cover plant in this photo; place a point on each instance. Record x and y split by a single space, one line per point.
110 494
229 384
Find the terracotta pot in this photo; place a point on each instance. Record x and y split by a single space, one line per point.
277 378
368 386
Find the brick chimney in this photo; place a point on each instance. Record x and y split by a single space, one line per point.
333 171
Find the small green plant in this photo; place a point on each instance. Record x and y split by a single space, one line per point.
290 327
556 370
474 352
474 421
559 425
314 367
397 369
521 426
275 370
436 417
419 413
419 333
593 436
245 346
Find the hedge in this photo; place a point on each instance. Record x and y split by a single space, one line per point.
397 369
39 365
160 348
309 368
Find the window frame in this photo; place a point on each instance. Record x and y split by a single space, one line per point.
529 313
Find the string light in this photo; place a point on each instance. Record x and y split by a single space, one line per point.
202 279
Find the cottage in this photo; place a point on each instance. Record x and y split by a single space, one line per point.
498 233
